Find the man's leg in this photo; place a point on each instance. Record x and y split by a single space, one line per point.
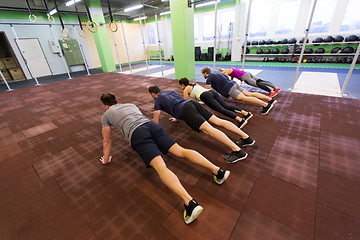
219 136
170 179
194 157
242 97
256 95
228 125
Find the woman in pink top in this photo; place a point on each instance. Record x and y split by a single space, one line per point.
251 80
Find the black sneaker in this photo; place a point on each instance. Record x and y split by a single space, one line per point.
248 116
192 211
233 157
245 142
221 176
242 124
272 102
267 108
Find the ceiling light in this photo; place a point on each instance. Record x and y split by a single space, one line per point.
206 4
164 13
52 12
141 18
133 8
71 2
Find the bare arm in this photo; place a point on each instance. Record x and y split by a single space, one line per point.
156 118
227 72
186 92
106 132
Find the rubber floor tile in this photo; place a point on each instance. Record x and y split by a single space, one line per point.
31 132
254 225
288 204
254 162
342 129
290 169
233 192
339 193
215 213
10 149
333 225
16 163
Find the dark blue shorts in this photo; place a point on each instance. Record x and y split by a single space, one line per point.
150 140
195 114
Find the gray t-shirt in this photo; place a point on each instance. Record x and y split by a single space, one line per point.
124 117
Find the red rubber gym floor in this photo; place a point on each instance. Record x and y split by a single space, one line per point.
301 179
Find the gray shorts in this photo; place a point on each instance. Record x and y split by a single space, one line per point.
235 90
249 79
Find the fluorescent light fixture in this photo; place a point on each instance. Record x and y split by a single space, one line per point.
133 8
141 18
71 2
206 4
164 13
52 12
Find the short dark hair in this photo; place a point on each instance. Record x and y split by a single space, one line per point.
108 99
154 89
186 82
206 70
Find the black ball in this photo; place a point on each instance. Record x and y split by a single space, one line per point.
335 50
269 41
262 42
275 51
267 51
318 40
285 51
302 40
309 50
284 41
339 38
259 51
320 50
255 42
329 39
351 38
347 50
291 41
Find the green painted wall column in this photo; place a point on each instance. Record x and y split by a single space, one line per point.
182 25
101 37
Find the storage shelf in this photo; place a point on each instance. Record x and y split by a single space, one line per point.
300 44
312 54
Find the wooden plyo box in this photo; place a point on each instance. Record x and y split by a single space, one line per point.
16 73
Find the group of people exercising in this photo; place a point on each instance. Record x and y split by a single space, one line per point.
150 141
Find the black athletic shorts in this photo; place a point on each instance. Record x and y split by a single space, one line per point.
150 140
195 114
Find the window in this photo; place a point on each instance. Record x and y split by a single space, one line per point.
196 27
208 26
288 13
351 21
225 23
152 33
259 18
324 11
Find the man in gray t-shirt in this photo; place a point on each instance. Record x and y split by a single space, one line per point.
150 141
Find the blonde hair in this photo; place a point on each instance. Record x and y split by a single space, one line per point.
220 69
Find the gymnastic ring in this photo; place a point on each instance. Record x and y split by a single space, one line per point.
88 25
62 32
51 18
84 33
111 24
30 18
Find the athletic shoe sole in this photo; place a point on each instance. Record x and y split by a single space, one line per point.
239 159
271 106
248 144
249 117
195 213
273 94
243 125
226 175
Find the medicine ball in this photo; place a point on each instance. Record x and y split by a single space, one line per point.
313 60
275 51
351 38
318 60
309 50
320 50
336 60
318 40
259 51
302 40
293 40
349 60
329 39
262 42
347 50
339 38
285 51
298 50
255 42
276 59
269 41
248 43
267 51
305 60
247 50
336 50
284 41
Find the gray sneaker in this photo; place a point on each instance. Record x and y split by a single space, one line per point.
233 157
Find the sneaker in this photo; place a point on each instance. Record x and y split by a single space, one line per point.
245 142
221 176
277 90
242 124
268 107
192 211
233 157
248 116
273 94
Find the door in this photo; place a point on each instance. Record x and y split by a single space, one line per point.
35 56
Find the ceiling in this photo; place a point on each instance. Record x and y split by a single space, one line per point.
117 6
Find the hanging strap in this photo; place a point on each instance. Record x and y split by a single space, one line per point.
90 19
32 17
113 26
82 32
62 24
51 18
